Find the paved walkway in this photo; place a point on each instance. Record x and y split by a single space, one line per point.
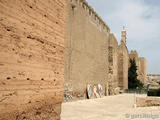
118 107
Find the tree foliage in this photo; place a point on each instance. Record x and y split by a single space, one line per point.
133 82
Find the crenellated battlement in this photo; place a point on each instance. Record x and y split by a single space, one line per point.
92 14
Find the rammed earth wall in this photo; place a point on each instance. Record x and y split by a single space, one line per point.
86 48
32 35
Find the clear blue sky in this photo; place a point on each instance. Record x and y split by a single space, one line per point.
142 21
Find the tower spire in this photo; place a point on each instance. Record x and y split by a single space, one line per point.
123 35
123 27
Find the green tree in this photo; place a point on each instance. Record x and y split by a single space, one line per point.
133 82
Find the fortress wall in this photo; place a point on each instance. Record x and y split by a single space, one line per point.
32 34
143 62
134 55
141 66
86 48
143 69
113 64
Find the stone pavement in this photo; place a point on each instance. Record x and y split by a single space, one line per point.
118 107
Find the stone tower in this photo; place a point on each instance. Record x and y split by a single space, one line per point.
123 62
123 36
